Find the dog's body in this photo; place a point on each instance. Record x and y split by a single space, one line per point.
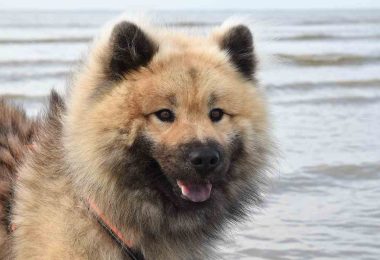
165 133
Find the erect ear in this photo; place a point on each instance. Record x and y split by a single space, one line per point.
130 49
237 41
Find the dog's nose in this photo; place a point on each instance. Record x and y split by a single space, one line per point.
204 158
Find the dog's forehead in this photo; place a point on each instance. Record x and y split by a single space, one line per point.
187 91
182 75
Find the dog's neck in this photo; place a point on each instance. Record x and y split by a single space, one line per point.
125 244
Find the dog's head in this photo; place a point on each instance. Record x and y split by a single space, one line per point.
174 121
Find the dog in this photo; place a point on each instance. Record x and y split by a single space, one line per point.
161 143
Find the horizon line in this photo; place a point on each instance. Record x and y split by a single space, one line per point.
191 9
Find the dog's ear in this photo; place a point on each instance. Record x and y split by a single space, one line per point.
130 49
237 41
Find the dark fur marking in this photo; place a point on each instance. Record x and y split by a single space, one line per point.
101 90
56 104
212 100
172 100
193 74
237 148
131 48
238 42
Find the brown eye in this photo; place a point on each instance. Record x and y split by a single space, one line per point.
165 115
216 114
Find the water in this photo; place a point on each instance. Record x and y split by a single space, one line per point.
321 71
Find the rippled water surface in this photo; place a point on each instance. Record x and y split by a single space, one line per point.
321 72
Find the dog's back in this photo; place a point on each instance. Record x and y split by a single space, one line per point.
16 135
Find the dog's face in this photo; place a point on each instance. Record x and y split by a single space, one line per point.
182 120
194 114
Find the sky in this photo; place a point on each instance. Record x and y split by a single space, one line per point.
189 4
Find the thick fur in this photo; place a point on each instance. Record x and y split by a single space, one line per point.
16 134
107 144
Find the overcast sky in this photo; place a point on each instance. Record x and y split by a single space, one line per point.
189 4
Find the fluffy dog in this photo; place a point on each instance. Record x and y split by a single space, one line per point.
161 142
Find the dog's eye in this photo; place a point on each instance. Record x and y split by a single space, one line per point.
165 115
216 114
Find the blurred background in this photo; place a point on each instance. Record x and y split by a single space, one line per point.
321 73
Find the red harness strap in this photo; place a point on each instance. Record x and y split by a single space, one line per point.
100 216
114 232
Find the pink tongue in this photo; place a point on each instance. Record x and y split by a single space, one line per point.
195 192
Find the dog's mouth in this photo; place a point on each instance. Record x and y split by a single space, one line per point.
195 192
182 192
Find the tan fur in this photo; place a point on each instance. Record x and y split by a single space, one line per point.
73 160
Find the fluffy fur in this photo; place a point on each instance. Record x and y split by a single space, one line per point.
107 143
16 133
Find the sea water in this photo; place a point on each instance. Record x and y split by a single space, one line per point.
321 73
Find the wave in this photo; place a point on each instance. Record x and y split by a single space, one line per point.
365 171
22 77
316 37
327 59
23 97
364 21
191 24
328 173
46 40
327 84
90 25
47 25
39 62
331 100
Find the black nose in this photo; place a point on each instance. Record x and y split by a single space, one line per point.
204 158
